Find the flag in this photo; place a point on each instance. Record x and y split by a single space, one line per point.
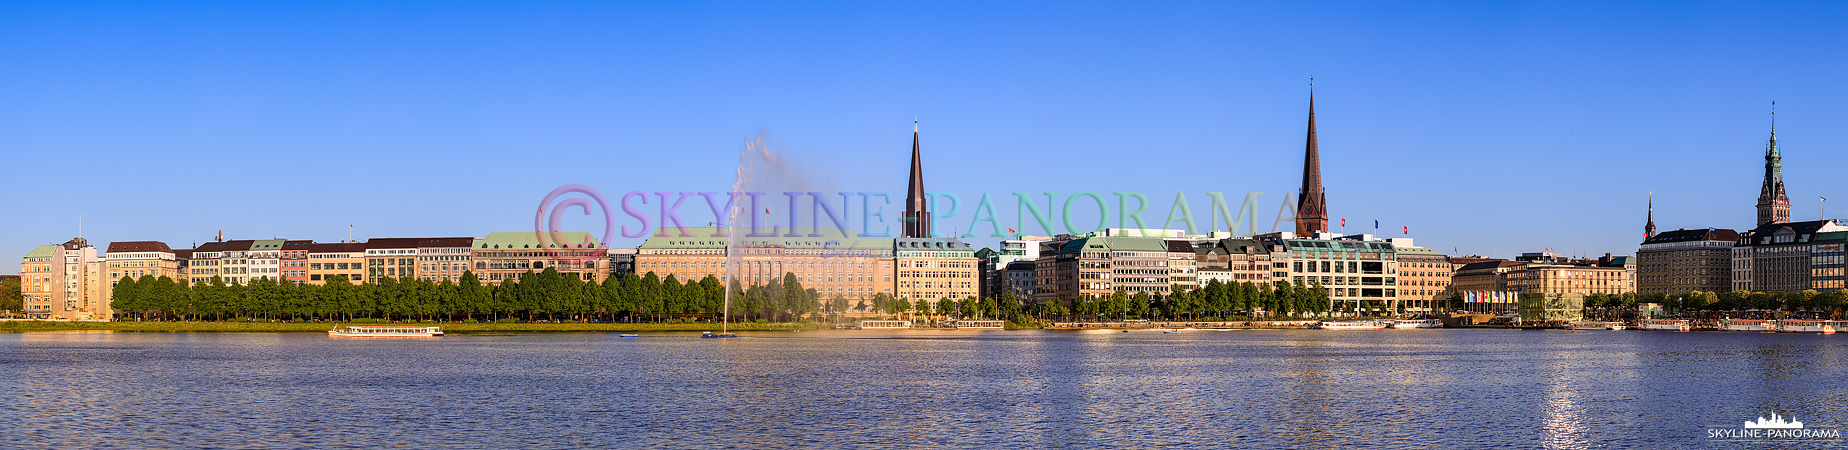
1408 230
1376 224
1010 230
1344 221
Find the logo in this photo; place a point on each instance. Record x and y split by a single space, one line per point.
1775 428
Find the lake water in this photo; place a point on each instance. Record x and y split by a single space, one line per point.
1389 389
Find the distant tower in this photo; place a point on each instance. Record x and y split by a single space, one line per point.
917 211
1773 205
1311 208
1649 228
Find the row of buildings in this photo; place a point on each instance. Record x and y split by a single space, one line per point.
73 280
1776 255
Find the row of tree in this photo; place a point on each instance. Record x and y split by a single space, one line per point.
549 295
1807 300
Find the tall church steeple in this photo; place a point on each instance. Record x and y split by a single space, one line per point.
1773 204
1649 228
917 208
1311 207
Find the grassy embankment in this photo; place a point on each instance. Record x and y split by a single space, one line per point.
235 327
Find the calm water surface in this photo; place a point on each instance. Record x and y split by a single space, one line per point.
1389 389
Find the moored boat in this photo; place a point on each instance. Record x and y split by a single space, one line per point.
1664 324
1349 325
979 325
1811 326
1410 324
384 331
1594 325
1748 325
883 325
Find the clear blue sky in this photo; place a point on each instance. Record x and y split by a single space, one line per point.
1486 127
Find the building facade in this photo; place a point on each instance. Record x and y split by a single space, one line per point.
506 255
1778 257
1686 260
1356 270
345 259
1424 279
65 282
934 269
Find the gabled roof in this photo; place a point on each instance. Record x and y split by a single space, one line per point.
296 245
267 244
42 251
1709 234
1489 265
1795 227
226 246
420 242
1120 244
530 240
707 238
138 246
1180 247
340 247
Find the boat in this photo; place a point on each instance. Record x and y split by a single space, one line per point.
883 325
1594 325
1663 324
628 335
1811 326
1422 323
1349 325
712 335
361 331
1748 325
980 325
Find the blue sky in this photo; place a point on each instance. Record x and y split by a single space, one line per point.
1485 127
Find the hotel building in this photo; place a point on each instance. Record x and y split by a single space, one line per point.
65 281
346 259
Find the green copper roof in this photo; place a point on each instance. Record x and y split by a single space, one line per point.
531 240
267 244
1416 251
707 237
42 251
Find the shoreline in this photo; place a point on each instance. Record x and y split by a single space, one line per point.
26 326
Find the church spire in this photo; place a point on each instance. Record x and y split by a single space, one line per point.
917 212
1649 228
1773 204
1311 207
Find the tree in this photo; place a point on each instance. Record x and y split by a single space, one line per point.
11 297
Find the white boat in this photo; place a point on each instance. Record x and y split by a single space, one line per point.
1748 325
1349 325
1595 325
384 331
979 325
1812 326
883 325
1410 324
1664 324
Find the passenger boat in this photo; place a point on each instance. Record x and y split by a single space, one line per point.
384 331
1664 324
883 325
1594 325
1349 325
979 325
1812 326
1748 325
628 335
1410 324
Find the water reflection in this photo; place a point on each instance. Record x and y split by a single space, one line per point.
1268 389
